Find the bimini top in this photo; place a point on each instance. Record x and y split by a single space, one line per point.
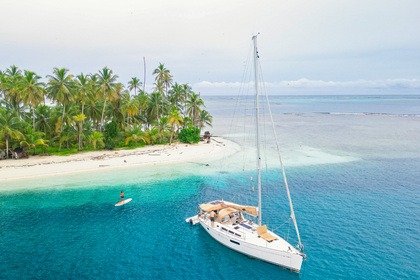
225 212
218 205
212 206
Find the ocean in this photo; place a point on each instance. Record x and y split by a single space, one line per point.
353 168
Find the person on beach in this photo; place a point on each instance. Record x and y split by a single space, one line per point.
121 196
212 214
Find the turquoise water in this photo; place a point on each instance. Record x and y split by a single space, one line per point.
358 220
354 227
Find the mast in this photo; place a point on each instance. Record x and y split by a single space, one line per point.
257 112
292 212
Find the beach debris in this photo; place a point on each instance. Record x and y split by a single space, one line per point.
206 137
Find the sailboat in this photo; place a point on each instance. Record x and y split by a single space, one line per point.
233 224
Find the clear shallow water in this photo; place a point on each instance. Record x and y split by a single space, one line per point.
358 220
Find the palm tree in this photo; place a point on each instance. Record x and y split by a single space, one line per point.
33 139
2 86
186 92
193 107
79 119
174 120
59 88
96 138
136 135
162 126
93 110
32 91
82 90
89 101
42 116
9 127
159 88
187 122
135 84
10 87
130 106
153 135
43 143
176 96
155 106
143 101
107 82
163 78
83 94
67 136
116 103
204 119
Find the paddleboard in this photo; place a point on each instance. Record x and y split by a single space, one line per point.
123 202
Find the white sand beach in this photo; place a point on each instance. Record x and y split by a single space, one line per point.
43 166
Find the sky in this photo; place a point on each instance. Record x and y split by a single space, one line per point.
305 46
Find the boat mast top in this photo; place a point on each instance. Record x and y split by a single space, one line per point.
257 112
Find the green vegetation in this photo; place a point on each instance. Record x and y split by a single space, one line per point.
110 133
189 135
95 111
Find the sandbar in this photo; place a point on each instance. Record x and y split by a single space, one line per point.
156 155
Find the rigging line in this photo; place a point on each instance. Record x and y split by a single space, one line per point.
279 226
224 162
249 108
244 100
241 92
236 117
266 142
292 212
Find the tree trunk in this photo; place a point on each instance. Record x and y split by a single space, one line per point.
62 118
33 117
80 136
102 117
7 147
172 136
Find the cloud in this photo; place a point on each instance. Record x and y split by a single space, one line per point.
205 84
316 86
199 41
365 84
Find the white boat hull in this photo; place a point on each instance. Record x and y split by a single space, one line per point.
256 248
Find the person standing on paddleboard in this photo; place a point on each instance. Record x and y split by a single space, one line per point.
121 196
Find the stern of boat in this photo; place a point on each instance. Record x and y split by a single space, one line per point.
192 220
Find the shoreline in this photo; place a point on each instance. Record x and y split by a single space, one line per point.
159 155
